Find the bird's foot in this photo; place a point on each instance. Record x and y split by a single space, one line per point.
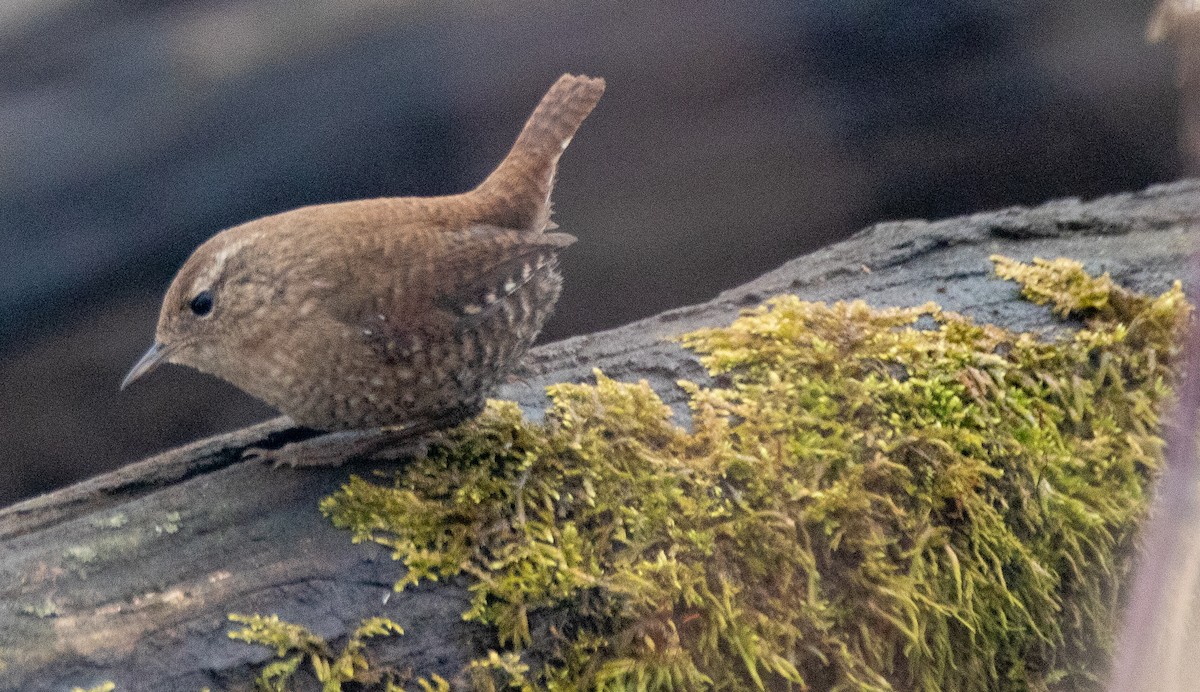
338 448
387 443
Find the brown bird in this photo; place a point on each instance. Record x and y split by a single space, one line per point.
394 316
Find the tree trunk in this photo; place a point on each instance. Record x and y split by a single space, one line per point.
129 577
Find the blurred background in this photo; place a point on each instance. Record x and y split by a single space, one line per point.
728 142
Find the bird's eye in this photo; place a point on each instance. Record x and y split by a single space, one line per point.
202 304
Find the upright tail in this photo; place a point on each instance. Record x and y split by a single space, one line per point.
517 194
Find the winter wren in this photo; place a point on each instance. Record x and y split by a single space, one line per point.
395 313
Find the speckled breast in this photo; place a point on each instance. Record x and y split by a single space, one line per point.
422 377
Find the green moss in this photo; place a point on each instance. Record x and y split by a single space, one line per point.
860 505
293 643
435 683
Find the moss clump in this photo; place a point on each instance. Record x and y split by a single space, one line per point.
861 505
293 643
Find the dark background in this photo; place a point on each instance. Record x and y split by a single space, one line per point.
729 141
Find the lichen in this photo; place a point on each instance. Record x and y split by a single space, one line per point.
169 525
107 686
861 504
46 608
113 521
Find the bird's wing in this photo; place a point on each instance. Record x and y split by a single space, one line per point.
492 263
427 283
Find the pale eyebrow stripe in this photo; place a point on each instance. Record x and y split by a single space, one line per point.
209 277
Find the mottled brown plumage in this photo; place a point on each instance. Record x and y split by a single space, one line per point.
399 312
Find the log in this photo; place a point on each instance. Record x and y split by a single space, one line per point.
129 577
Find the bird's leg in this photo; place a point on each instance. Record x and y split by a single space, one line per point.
388 442
337 448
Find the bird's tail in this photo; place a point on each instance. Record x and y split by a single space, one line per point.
517 193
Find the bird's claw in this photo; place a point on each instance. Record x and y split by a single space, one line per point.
259 454
296 455
336 449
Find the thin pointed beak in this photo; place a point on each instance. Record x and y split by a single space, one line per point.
153 358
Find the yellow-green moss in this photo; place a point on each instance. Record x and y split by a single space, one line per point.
861 504
293 643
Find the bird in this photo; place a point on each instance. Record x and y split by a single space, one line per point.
382 319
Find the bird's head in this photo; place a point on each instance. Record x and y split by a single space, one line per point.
214 305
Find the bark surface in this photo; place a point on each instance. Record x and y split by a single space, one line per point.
129 577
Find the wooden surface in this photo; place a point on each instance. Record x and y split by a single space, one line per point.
129 577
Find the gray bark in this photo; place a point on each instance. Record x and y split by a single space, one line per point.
129 576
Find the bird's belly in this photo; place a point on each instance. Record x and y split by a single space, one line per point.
364 387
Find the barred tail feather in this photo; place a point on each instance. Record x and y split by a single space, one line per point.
517 193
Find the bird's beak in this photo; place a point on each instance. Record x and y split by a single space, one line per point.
153 358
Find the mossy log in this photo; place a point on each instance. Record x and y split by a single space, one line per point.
130 577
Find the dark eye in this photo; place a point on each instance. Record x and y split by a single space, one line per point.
202 304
